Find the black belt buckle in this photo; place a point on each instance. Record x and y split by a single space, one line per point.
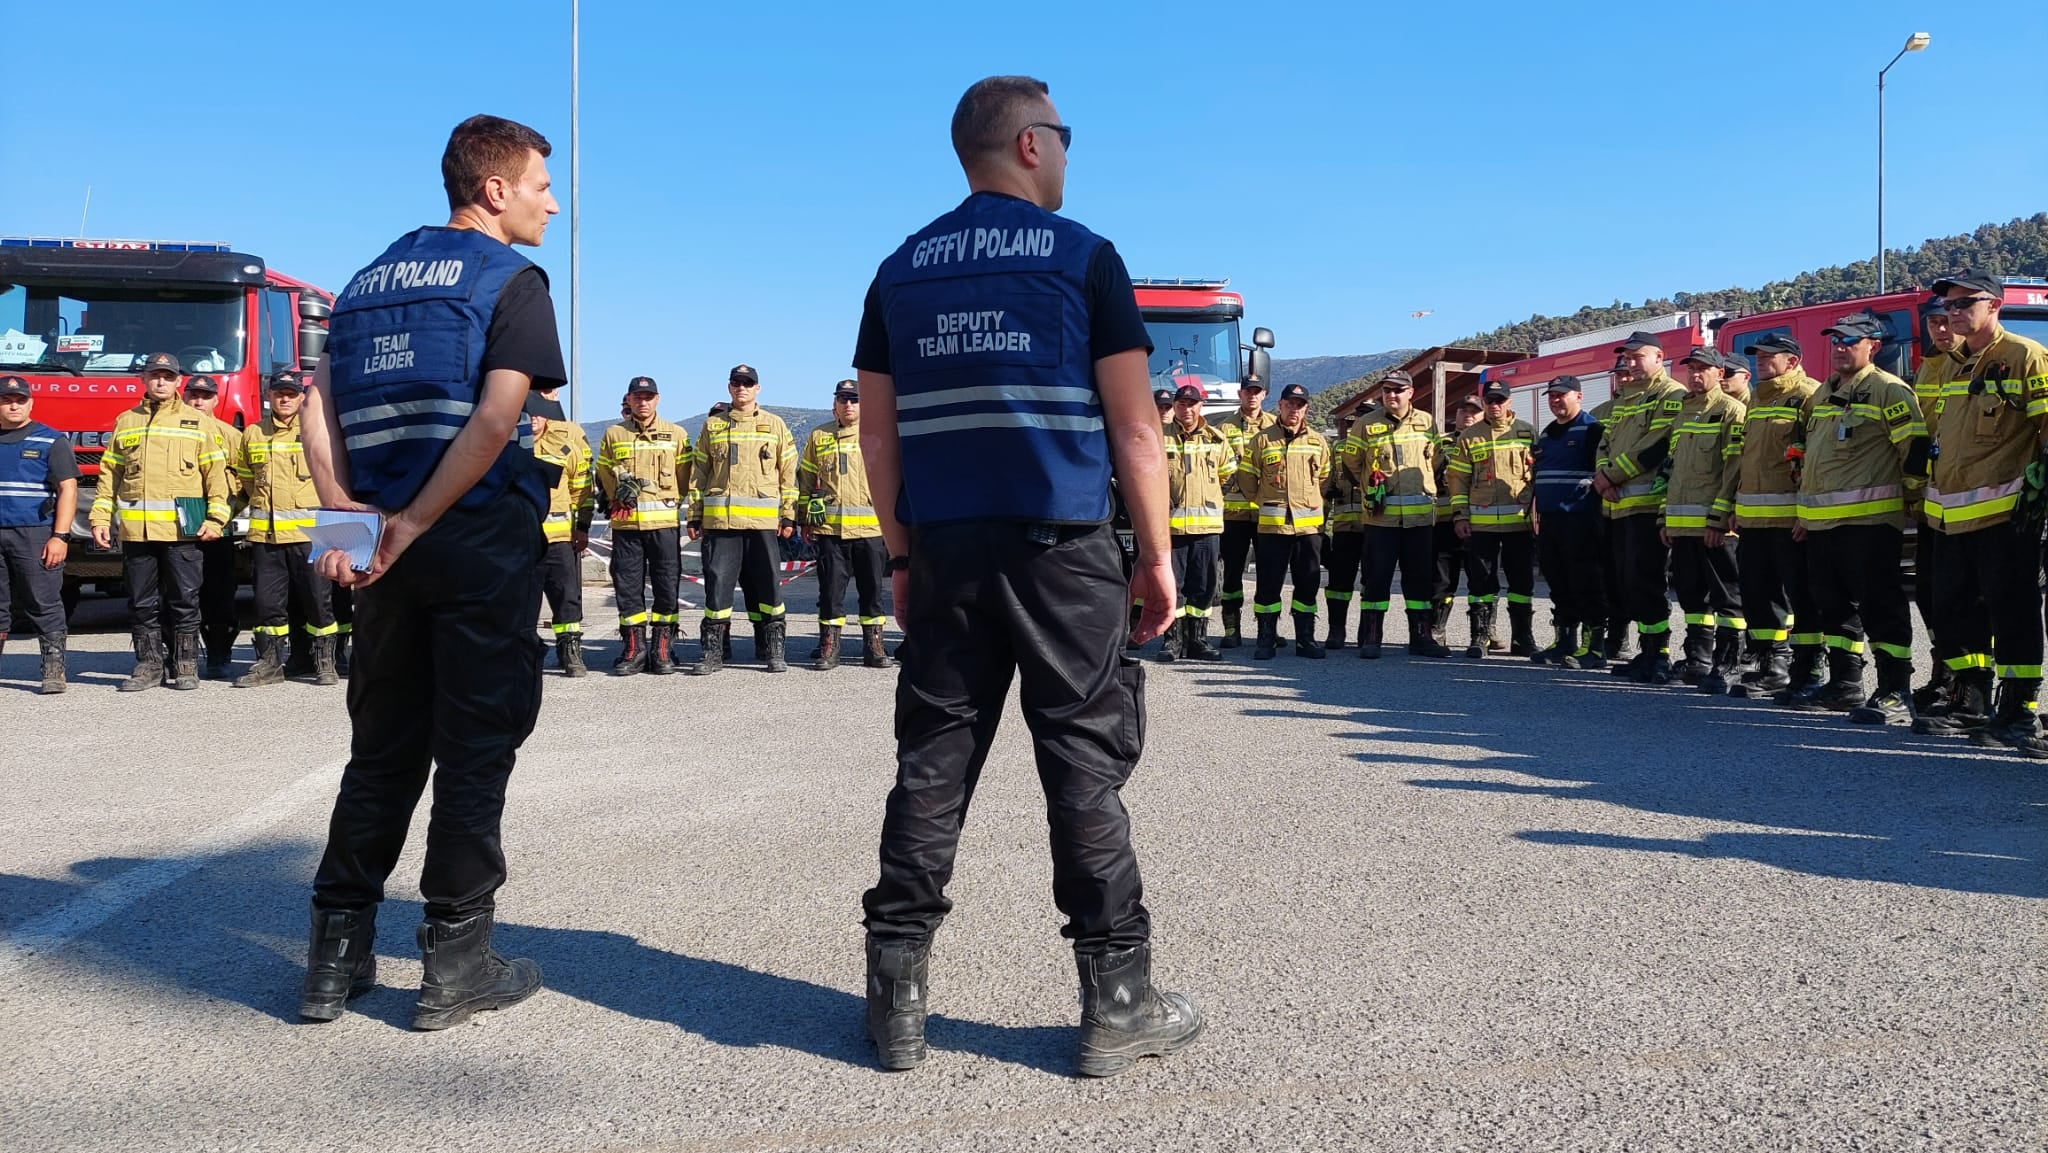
1042 534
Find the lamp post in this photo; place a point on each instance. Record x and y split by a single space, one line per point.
575 214
1914 43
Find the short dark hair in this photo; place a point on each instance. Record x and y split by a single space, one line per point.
989 114
482 147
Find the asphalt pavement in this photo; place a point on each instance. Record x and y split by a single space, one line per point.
1444 905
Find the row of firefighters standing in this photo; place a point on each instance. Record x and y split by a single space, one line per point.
1777 517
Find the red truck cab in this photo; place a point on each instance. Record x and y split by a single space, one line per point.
1194 324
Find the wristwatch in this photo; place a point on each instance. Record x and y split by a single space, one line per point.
899 564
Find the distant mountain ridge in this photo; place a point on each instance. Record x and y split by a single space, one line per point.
1317 373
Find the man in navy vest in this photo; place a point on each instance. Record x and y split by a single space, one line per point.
38 499
418 413
1569 529
1002 361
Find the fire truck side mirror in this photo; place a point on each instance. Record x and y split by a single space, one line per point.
1261 367
1262 338
313 314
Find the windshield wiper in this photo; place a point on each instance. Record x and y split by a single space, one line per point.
45 363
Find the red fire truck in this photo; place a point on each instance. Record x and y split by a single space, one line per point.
78 316
1194 327
2025 312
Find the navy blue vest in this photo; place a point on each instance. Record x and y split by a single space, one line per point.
987 313
1565 455
25 478
404 365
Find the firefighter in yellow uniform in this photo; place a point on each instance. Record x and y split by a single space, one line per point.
742 497
1282 474
1777 602
1865 465
832 491
1491 475
1392 458
165 480
1200 472
1346 548
1706 455
642 468
279 488
1630 479
561 443
1950 361
218 626
1240 515
1987 500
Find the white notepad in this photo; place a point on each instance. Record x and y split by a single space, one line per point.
355 533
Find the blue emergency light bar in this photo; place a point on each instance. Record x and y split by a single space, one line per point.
116 245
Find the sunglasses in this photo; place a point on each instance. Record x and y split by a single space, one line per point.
1066 133
1965 304
1842 341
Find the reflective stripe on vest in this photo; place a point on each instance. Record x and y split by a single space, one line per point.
1822 506
24 479
1970 505
987 314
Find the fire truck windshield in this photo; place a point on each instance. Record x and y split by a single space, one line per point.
1199 352
87 329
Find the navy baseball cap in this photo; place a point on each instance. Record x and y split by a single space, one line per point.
1861 326
161 362
1467 401
1293 392
14 386
1771 342
1704 354
1397 379
1565 383
1973 280
287 380
1497 390
846 390
541 406
742 374
642 384
1189 392
1162 396
203 385
1733 362
1640 339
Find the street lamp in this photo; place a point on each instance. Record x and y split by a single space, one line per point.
576 211
1914 43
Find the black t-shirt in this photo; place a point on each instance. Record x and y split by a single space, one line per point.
1114 324
522 336
63 465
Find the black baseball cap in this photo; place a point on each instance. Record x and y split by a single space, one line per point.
1862 326
742 374
1189 392
14 386
1734 362
642 384
1640 339
287 380
541 406
1467 401
1293 392
1397 379
1771 342
1972 280
203 385
846 390
161 362
1162 396
1565 383
1497 390
1254 383
1932 306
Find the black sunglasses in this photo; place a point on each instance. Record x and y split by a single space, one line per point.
1964 304
1066 133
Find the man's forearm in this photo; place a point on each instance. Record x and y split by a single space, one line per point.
67 507
881 451
320 434
1138 455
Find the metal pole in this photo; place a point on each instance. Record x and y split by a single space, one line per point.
575 213
1880 174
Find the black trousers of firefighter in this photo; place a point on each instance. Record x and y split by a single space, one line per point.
1640 561
1281 555
1496 558
288 586
863 559
1044 605
1777 595
217 585
1708 587
748 557
641 557
1862 604
1236 547
446 675
163 585
561 586
1990 588
1448 552
39 591
1194 560
1572 551
1413 551
1346 555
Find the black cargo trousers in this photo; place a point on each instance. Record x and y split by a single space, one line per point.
988 601
446 674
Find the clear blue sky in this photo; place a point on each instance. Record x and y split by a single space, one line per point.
747 166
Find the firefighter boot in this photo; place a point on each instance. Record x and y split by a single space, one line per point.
299 662
464 975
1172 643
1269 628
1652 663
1967 705
185 661
633 652
53 664
874 654
1617 641
1493 642
1481 617
1592 654
1807 667
1892 704
712 642
1124 1016
1422 642
269 666
1233 624
1844 690
1521 629
1372 633
827 657
1340 611
149 662
1564 643
1305 643
341 961
1440 623
899 983
220 651
568 653
1196 641
1773 672
2014 726
1937 687
1727 661
1699 653
323 661
661 649
345 651
773 632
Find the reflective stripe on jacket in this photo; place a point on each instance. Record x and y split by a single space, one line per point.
657 458
157 455
1491 474
1856 446
832 470
1991 429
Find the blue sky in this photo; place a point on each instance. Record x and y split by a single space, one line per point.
746 167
